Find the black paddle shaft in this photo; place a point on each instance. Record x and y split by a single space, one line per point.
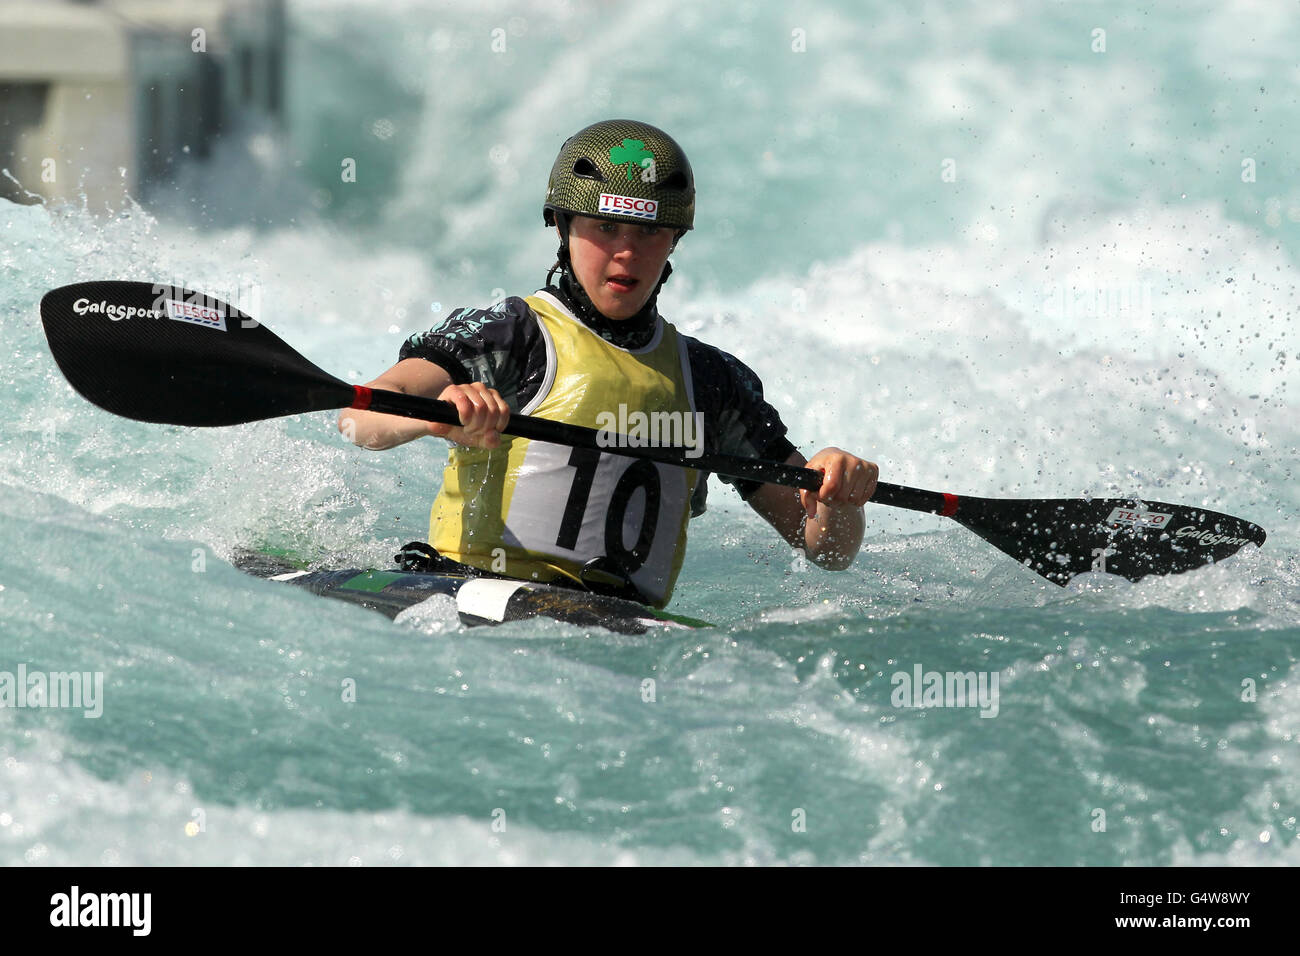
543 429
156 353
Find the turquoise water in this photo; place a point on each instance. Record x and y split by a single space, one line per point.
1098 304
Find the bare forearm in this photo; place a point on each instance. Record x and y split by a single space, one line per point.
377 431
832 536
832 539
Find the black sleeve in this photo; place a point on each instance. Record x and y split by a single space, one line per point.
502 347
737 420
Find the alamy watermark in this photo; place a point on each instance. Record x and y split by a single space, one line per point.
1099 300
922 688
129 910
78 690
637 429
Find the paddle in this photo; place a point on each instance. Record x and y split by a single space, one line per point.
155 353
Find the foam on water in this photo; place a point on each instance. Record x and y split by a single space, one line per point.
1094 332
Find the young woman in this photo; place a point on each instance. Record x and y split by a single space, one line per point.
621 195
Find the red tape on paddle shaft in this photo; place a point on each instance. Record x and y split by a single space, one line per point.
363 397
949 505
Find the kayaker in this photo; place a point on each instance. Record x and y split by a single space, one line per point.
582 350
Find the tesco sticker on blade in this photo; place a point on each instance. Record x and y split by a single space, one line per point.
198 314
1150 519
629 206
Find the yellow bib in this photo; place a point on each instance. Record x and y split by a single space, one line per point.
535 510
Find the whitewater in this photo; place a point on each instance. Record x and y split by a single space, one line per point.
1097 304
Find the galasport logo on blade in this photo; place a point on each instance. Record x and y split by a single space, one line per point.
1209 538
1136 519
113 310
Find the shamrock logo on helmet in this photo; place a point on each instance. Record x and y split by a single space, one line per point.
634 153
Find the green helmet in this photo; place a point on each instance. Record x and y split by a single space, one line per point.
623 171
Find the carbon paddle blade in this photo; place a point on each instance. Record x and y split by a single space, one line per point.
1060 538
157 353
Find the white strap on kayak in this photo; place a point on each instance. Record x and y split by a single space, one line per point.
486 598
289 576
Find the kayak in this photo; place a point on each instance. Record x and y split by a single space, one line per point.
479 601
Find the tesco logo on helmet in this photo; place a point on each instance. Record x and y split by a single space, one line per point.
629 206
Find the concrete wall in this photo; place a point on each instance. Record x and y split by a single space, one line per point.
63 100
98 100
